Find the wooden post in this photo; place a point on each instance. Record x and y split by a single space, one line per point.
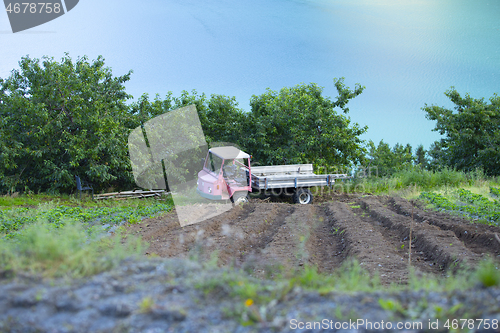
411 228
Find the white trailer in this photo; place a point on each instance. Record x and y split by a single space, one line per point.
293 180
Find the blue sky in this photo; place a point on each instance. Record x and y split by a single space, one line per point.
406 53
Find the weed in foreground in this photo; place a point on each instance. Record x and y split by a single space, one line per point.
392 305
146 305
488 274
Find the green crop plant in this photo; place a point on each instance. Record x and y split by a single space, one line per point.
14 219
495 191
392 305
477 206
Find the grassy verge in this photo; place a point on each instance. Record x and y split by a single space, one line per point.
66 250
58 235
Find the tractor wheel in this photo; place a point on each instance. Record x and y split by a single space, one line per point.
303 196
239 197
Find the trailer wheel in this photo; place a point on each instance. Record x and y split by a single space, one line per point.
302 196
239 197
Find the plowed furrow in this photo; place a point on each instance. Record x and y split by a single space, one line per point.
304 238
245 238
442 246
401 244
286 250
478 238
323 245
368 245
168 239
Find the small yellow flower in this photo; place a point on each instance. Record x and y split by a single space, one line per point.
249 302
240 283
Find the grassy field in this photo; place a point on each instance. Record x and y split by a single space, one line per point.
58 235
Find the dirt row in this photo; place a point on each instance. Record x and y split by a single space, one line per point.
264 238
479 238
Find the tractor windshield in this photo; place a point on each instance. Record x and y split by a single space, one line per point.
235 171
213 163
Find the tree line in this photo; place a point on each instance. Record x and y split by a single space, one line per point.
470 140
59 119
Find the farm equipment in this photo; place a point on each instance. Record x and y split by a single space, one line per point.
227 174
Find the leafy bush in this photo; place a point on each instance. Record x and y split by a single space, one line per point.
495 191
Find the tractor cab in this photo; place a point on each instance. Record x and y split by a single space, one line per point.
225 175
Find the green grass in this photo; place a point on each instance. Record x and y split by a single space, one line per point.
350 277
252 294
7 202
59 235
488 274
30 200
67 250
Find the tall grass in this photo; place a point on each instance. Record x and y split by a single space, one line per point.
421 179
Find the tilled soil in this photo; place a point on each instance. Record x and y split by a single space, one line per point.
264 237
173 294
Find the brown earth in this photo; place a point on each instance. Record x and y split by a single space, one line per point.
264 237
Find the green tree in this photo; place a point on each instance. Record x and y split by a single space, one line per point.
221 118
380 159
61 119
471 133
384 161
403 157
299 125
421 157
